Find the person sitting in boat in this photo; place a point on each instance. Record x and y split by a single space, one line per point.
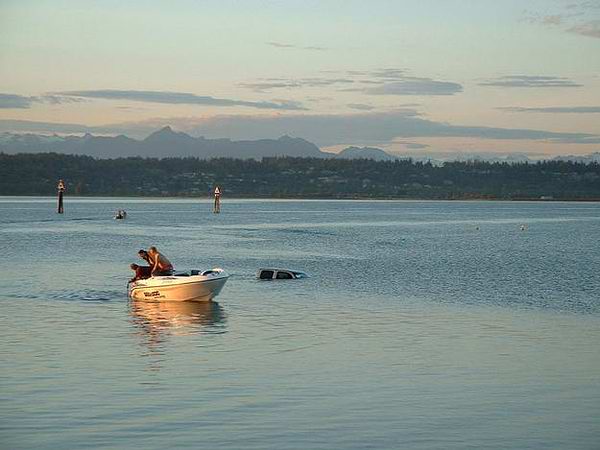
160 264
141 272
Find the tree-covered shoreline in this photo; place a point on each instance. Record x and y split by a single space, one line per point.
287 177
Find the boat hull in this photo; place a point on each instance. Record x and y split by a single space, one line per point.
196 288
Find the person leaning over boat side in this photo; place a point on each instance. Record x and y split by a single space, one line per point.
161 265
146 257
141 272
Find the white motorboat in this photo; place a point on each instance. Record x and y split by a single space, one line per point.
181 286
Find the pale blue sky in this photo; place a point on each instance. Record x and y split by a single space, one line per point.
214 67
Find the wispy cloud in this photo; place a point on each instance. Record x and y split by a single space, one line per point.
32 126
530 81
584 5
388 74
390 81
177 98
555 109
554 19
297 47
15 101
412 145
361 106
590 29
269 84
395 81
416 86
578 18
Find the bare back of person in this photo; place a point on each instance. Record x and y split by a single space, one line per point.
161 264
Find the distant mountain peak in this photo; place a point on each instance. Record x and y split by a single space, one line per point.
365 153
167 133
164 131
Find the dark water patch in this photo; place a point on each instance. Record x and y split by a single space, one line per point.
301 231
87 295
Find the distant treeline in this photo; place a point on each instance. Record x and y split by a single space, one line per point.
37 174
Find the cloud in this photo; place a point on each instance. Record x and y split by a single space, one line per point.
388 74
368 128
412 145
30 126
416 86
319 99
388 81
555 19
176 98
570 19
360 106
14 101
555 109
530 81
364 128
297 47
283 83
588 5
590 29
550 19
280 45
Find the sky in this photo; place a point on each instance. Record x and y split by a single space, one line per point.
422 77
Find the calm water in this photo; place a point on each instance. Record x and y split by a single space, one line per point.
415 330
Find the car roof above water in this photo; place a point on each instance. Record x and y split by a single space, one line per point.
279 274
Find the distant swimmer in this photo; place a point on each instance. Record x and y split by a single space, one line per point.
523 227
160 264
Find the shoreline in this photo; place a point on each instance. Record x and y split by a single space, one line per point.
312 198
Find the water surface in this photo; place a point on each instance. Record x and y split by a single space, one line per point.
424 325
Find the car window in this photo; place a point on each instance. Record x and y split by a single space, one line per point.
284 276
266 274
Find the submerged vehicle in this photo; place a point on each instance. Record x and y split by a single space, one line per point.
181 286
279 274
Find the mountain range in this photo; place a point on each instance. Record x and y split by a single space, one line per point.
169 143
160 144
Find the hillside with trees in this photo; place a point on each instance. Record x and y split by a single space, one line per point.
286 177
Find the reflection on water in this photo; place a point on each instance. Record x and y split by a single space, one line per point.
155 321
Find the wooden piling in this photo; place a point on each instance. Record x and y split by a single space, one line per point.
217 204
61 191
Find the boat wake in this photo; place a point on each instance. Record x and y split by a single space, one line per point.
87 295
